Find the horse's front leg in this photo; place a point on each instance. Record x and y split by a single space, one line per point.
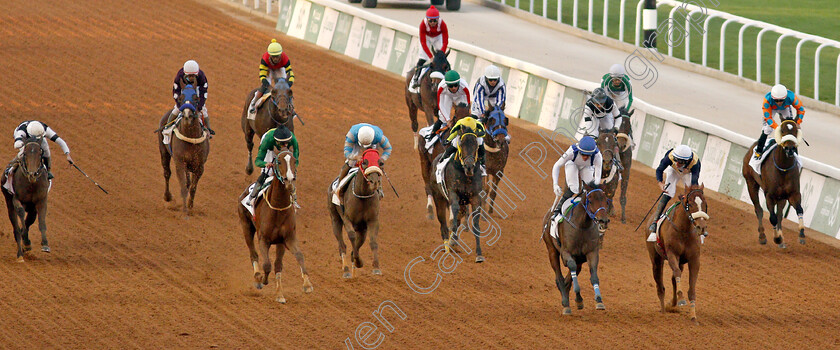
183 179
196 175
41 209
454 219
16 224
30 217
693 272
624 180
279 251
249 143
775 220
796 202
592 259
673 261
373 232
474 226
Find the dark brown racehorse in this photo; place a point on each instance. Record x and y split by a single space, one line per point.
579 242
274 222
29 200
189 147
608 145
426 99
361 210
496 152
461 110
276 110
625 145
460 192
779 180
679 243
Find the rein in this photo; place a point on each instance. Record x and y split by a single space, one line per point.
586 205
795 162
22 163
282 180
691 216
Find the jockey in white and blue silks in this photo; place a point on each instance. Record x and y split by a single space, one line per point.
582 162
489 92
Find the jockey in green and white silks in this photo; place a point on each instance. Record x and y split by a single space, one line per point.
616 83
272 140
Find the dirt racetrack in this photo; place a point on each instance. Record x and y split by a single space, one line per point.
128 271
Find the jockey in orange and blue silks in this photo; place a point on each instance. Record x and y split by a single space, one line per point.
779 101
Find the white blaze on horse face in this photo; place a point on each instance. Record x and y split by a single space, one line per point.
790 127
699 213
289 174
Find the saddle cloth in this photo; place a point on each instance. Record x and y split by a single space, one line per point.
430 145
249 203
413 81
252 116
344 182
557 219
439 170
756 163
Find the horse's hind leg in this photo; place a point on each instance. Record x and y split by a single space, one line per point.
592 259
278 271
412 114
291 244
337 226
559 281
752 188
165 159
248 231
42 224
249 143
373 231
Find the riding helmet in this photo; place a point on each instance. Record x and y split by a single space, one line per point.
587 146
282 134
274 48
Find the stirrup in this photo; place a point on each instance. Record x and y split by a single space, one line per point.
756 155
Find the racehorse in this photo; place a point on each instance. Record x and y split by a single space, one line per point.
608 145
361 210
274 220
461 110
277 109
779 180
578 241
496 147
426 98
188 148
679 243
625 145
462 183
31 186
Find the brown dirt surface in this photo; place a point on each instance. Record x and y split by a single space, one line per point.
128 271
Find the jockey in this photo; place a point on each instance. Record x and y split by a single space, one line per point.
490 92
468 124
451 91
191 74
601 107
274 65
39 130
361 137
679 163
433 35
274 139
617 85
782 101
582 162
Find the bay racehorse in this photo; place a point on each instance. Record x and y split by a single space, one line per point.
608 144
189 147
273 110
679 244
426 98
28 201
361 213
578 241
625 145
461 110
274 223
779 180
460 191
496 155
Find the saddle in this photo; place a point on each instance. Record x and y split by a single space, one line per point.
426 133
250 204
660 247
341 183
414 78
557 219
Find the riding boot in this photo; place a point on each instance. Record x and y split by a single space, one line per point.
48 165
252 108
567 193
435 127
759 147
663 202
207 126
481 160
417 69
294 197
345 168
258 185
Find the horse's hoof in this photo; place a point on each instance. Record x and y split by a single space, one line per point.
377 272
167 197
346 275
600 306
429 216
694 320
479 259
567 311
762 241
579 305
27 248
20 259
623 221
281 300
258 285
308 289
682 303
777 240
782 246
802 241
45 248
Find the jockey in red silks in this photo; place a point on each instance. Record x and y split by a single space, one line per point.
433 34
274 65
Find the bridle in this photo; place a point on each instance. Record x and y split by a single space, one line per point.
32 176
587 204
281 178
276 99
460 155
692 217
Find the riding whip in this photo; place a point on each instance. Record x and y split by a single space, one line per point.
86 175
392 185
301 119
651 208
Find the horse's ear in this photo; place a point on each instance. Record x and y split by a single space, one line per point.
631 113
702 186
448 51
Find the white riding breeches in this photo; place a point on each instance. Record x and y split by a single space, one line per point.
574 176
446 105
671 177
431 42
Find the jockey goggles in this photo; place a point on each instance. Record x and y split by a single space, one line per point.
453 85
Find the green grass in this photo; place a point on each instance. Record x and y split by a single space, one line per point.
817 17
